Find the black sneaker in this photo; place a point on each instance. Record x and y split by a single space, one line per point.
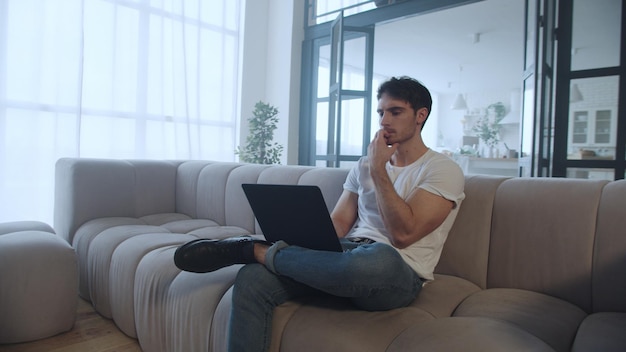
205 255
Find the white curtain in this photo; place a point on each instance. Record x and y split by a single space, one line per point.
135 79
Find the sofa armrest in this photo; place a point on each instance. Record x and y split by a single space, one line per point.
87 189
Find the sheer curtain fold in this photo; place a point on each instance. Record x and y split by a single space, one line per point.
110 79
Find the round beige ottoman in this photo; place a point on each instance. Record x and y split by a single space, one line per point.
38 282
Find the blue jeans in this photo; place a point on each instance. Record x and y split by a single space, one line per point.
374 277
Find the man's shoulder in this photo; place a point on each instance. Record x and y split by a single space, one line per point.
442 164
440 158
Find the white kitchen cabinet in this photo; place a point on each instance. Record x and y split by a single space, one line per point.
593 128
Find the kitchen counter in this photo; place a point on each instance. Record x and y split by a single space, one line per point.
487 166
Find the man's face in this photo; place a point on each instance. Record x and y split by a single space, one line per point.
398 119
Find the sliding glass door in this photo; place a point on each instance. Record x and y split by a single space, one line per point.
343 134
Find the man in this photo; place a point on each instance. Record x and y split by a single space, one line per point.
393 218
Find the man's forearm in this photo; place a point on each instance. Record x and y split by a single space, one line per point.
396 214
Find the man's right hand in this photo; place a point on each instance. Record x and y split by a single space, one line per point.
379 151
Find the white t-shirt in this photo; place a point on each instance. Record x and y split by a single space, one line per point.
433 172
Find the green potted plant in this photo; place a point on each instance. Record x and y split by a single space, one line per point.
259 148
487 128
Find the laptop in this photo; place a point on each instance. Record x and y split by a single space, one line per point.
296 214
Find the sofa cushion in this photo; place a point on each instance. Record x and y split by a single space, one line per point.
103 279
542 237
99 261
609 259
124 261
82 240
604 332
466 334
333 324
190 305
153 279
442 296
100 188
553 320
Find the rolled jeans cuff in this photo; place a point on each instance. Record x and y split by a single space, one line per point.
271 253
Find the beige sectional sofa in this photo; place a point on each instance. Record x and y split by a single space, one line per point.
530 264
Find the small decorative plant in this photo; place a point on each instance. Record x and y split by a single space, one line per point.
259 148
487 128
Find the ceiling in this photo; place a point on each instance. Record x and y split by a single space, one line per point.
467 49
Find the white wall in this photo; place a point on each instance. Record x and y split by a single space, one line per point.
270 59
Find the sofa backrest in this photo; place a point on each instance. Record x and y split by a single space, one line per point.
542 237
87 189
202 188
609 257
466 251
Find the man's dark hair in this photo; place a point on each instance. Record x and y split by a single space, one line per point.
408 89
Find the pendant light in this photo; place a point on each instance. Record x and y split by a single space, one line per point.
459 102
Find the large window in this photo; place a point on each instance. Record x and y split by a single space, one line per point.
113 79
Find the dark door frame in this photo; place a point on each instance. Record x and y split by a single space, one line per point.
560 162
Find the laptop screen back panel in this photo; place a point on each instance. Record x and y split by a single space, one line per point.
295 214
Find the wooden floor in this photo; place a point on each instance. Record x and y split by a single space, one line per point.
91 333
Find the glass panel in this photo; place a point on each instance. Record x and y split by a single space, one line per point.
100 129
213 13
352 127
321 130
591 174
531 24
209 136
374 119
50 136
593 20
323 74
354 64
40 51
327 10
348 164
593 118
110 80
549 45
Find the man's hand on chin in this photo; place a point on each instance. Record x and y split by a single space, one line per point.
379 150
